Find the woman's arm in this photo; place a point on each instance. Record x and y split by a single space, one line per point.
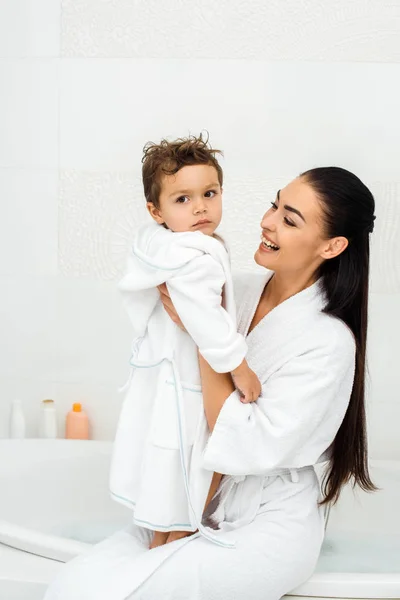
216 387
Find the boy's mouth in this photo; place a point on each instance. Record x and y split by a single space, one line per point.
202 222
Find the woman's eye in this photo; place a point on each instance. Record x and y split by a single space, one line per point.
182 199
288 222
210 194
285 219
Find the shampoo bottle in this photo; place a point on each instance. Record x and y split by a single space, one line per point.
17 420
77 423
48 420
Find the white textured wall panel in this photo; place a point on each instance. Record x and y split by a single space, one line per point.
385 241
360 30
99 213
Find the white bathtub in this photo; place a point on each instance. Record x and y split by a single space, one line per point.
54 503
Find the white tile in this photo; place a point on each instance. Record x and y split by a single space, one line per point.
331 114
252 29
63 330
383 430
29 113
270 119
383 348
110 108
28 319
28 224
101 402
30 28
92 334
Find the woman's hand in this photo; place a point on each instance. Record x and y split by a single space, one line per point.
169 307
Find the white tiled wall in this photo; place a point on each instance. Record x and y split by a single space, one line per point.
280 86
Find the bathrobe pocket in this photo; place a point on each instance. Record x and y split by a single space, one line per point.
169 424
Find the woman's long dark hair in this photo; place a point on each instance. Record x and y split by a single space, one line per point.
348 210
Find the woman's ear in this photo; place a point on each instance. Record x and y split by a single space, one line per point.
334 247
155 213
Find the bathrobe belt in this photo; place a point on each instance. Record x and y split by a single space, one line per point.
249 508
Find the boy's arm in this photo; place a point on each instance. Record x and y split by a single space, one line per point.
196 292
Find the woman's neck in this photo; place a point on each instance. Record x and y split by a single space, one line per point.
281 287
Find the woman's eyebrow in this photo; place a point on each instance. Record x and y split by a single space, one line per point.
290 208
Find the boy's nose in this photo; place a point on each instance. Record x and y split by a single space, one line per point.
199 207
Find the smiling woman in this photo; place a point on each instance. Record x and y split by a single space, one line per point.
292 238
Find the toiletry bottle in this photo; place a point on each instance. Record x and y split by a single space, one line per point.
77 423
17 420
48 420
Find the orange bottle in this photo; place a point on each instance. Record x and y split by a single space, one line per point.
77 423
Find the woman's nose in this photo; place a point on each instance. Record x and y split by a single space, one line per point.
268 221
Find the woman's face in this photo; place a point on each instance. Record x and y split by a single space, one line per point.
292 238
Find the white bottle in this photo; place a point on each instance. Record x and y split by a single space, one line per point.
17 421
48 420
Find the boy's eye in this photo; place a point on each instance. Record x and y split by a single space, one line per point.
210 194
274 206
182 199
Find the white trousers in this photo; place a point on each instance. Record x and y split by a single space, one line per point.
273 554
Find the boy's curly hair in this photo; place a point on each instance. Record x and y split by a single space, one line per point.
167 158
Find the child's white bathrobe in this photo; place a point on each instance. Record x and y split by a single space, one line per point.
156 466
268 502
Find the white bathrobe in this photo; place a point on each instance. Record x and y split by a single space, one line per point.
156 467
268 502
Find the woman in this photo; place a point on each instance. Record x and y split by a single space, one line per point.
305 319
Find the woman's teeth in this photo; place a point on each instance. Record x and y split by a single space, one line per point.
269 244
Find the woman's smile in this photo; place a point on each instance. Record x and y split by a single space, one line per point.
267 245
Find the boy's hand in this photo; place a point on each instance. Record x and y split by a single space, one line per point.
246 382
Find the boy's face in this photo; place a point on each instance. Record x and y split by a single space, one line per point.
190 200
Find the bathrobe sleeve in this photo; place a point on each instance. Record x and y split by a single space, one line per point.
196 292
296 418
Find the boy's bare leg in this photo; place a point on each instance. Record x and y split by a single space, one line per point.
159 539
177 535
